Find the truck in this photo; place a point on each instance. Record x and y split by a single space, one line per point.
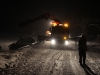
59 34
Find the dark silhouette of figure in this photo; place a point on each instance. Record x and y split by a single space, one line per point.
82 50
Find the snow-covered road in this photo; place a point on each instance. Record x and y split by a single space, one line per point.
42 60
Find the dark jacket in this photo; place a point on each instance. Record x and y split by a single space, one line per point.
82 44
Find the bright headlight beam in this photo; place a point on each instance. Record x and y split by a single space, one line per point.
66 43
53 41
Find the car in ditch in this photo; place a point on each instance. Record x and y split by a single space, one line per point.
21 43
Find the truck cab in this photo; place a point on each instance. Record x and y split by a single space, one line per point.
59 34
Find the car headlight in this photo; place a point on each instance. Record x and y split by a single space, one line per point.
66 43
53 41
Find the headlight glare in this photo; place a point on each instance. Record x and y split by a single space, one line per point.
53 41
66 43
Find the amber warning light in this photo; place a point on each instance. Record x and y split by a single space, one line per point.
55 23
66 25
48 33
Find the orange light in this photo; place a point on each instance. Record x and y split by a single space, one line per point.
65 37
55 23
48 32
66 25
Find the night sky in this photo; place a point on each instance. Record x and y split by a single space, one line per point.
14 12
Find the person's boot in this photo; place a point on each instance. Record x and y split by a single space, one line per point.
80 61
84 61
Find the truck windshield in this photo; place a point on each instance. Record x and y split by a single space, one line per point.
60 30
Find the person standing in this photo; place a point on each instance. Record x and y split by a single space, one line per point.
82 50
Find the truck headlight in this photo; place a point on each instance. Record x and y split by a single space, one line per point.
53 41
66 43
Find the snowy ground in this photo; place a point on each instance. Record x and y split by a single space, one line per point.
40 59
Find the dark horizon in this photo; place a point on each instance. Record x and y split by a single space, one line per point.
73 12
